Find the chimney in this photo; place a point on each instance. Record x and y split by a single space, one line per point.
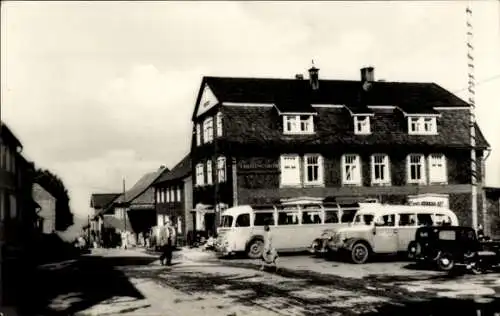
299 76
313 77
162 167
367 74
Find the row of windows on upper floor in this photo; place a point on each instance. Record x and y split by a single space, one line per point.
201 171
304 124
7 158
309 169
166 195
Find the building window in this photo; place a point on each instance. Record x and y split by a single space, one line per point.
208 130
437 168
416 168
7 159
209 172
2 205
298 124
380 169
166 197
351 169
198 134
178 194
199 174
313 167
422 125
158 196
362 125
171 194
219 123
221 169
290 170
13 206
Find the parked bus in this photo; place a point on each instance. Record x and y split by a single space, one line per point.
384 229
293 226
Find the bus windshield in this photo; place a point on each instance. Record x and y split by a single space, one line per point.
363 219
226 221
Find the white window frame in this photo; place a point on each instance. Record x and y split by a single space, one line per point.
357 178
286 160
419 122
158 195
178 194
442 177
361 128
296 122
209 172
170 195
167 195
200 175
208 130
320 164
423 173
218 119
221 170
198 134
387 170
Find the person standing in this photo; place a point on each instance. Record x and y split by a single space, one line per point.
166 245
269 254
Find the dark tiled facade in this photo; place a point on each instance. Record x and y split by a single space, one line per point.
415 146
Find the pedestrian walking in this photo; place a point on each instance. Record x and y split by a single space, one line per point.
269 254
166 243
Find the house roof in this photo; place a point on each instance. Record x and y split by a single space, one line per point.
261 126
102 200
180 171
346 92
140 186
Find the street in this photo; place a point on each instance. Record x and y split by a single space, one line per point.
131 282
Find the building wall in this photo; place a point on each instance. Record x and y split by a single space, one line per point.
47 208
174 211
188 204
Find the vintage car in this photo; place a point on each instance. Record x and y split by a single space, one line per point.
444 246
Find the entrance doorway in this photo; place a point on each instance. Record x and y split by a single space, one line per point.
209 222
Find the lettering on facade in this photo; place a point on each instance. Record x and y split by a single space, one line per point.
257 165
429 201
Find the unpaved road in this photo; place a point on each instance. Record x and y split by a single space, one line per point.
130 282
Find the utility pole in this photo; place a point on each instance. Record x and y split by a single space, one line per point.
472 107
216 182
125 212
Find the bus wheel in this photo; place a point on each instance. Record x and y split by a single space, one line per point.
255 249
360 253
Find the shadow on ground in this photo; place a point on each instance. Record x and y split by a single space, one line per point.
66 289
338 296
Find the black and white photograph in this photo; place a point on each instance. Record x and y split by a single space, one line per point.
250 158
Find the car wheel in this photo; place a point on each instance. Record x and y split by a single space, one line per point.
255 249
445 262
360 253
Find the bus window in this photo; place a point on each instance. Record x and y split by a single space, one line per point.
441 219
288 218
331 216
407 219
364 219
311 217
424 219
243 220
263 218
348 216
226 221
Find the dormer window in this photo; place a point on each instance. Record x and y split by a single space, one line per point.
298 124
422 125
362 125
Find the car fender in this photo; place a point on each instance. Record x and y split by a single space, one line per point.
350 242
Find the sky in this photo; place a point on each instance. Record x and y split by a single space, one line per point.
98 91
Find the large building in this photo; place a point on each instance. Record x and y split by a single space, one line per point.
47 209
174 202
17 215
263 141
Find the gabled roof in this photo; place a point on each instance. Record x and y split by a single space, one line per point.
102 200
140 186
344 92
180 171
